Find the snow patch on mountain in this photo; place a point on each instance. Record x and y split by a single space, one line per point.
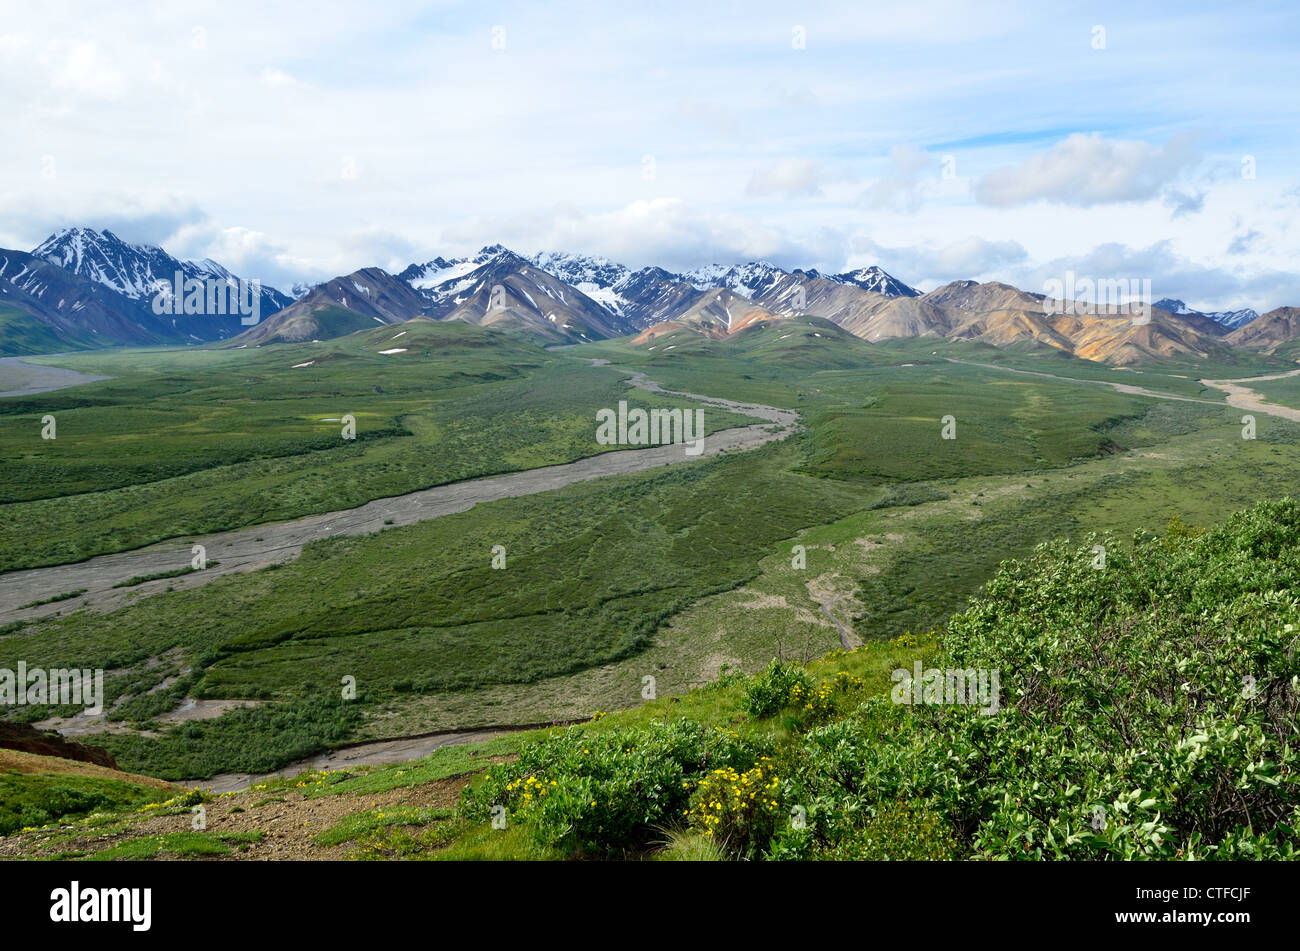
1228 318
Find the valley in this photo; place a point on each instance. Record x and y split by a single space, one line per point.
103 580
900 527
408 520
18 377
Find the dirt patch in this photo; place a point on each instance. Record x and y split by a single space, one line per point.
778 602
192 710
20 378
287 822
1245 398
711 666
84 723
835 597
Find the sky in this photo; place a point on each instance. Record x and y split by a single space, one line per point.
940 140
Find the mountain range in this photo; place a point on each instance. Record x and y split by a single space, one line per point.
86 288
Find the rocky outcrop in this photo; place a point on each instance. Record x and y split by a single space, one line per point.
28 739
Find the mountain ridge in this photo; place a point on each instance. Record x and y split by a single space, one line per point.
87 288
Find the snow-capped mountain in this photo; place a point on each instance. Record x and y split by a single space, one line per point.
1232 319
135 270
580 269
597 277
753 280
651 295
443 279
748 280
49 308
498 286
875 279
640 298
86 288
1277 327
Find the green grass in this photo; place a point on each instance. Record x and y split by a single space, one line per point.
65 596
21 334
198 845
1193 766
371 780
1283 392
1200 765
667 573
371 826
36 799
184 441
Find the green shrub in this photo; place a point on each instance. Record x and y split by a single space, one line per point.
1148 710
738 810
33 800
898 831
606 793
772 691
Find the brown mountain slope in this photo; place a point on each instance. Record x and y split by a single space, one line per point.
513 293
718 313
1268 331
344 305
994 313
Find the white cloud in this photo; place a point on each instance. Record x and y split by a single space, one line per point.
669 232
139 218
279 79
929 265
760 150
902 188
788 177
1198 283
1089 170
86 70
1184 203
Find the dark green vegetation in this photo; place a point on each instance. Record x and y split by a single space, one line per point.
34 799
251 739
22 334
157 576
601 575
65 596
1146 710
186 442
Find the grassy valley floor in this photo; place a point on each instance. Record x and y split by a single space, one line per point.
675 575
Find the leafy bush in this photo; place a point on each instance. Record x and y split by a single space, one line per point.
898 831
738 810
774 689
33 800
1148 709
606 792
819 703
247 739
